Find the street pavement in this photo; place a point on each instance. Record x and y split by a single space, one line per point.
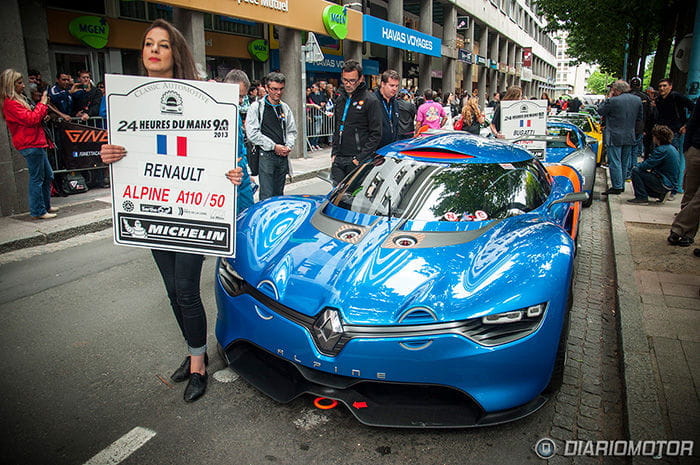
656 319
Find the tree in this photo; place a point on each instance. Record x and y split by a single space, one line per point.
598 82
602 31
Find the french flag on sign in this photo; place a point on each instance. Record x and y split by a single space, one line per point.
171 145
525 123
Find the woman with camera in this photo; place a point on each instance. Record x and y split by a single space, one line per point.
28 136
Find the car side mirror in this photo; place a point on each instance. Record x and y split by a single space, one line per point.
572 197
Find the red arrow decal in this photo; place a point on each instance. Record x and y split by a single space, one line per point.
359 405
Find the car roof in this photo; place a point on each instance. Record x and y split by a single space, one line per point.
445 146
564 124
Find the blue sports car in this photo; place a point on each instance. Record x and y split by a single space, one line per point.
567 143
431 288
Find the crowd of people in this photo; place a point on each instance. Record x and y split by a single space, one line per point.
653 140
364 120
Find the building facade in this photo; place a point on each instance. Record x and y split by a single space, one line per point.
451 45
571 78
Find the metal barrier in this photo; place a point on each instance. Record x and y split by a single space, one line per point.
318 125
69 137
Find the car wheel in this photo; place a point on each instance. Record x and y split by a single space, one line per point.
559 364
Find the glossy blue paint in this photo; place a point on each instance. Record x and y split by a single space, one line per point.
517 262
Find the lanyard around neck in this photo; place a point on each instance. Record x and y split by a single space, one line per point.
345 113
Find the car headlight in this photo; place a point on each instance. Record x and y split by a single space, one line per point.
501 328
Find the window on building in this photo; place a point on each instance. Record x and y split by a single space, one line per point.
229 25
147 11
97 6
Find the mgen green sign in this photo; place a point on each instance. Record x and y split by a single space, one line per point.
259 49
335 19
91 30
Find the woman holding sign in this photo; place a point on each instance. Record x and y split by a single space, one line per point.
513 93
165 54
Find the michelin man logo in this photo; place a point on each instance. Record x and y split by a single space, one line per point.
136 230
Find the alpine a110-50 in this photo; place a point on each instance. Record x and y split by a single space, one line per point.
430 288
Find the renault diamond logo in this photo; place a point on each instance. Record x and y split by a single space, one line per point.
327 330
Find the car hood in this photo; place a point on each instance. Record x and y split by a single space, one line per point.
494 268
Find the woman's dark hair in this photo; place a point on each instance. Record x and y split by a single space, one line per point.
183 61
663 134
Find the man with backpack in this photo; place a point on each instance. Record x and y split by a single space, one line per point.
270 127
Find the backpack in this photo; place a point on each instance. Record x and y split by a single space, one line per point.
73 183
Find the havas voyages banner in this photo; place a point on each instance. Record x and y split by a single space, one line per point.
170 190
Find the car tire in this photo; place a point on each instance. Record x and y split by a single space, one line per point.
560 362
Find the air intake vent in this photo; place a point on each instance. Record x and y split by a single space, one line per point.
417 316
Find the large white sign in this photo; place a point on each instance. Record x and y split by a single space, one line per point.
521 119
170 190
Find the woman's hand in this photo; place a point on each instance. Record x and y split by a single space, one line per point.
111 153
235 175
44 98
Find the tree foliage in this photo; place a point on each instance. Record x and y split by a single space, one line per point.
598 82
602 31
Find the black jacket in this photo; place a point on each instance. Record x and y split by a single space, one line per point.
390 128
647 113
407 118
362 129
671 110
692 135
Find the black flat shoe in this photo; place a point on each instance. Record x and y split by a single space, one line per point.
183 371
196 387
612 191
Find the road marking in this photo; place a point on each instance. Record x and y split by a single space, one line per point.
123 447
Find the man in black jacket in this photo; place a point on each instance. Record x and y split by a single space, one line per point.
386 94
671 110
358 123
407 115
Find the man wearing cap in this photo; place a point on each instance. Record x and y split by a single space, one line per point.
621 111
642 127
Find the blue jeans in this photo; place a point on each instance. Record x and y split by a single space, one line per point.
271 174
317 120
677 142
181 273
40 177
618 164
637 151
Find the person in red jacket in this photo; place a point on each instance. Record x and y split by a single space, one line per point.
24 123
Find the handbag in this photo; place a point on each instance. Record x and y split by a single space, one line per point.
73 183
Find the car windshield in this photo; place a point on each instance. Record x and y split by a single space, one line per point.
580 121
564 138
424 191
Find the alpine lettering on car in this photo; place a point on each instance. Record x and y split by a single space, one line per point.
316 364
